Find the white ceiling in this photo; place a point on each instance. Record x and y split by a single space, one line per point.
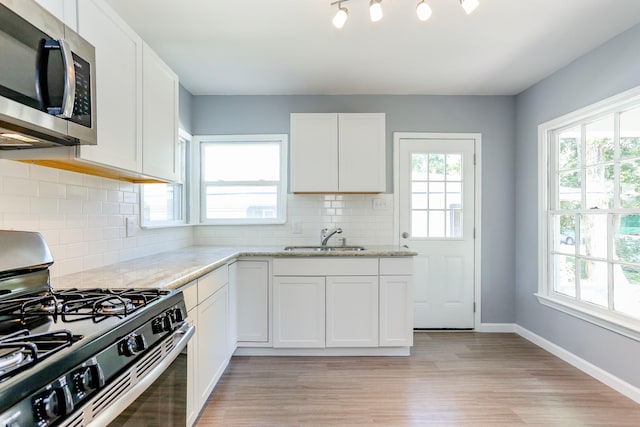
259 47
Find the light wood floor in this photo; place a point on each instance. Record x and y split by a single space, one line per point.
451 379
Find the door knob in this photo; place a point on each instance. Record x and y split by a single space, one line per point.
405 235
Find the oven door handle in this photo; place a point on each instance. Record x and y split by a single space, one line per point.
185 332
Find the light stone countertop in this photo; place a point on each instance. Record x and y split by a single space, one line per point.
174 269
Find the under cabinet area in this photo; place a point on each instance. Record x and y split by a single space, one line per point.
338 153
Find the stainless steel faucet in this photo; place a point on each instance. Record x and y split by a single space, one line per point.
325 235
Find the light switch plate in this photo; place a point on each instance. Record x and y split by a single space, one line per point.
131 226
379 204
296 226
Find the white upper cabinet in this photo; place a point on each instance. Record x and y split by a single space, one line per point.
64 10
119 87
314 152
159 117
338 153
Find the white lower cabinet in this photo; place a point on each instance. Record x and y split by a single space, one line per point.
208 353
339 302
299 312
190 292
352 311
212 342
251 281
396 311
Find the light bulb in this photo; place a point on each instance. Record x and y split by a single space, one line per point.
375 10
340 18
469 5
423 11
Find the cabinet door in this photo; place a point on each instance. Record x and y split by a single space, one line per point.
159 117
118 87
252 286
352 311
362 151
212 342
193 408
298 311
314 153
396 311
64 10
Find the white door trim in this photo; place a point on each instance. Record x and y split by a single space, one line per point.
477 137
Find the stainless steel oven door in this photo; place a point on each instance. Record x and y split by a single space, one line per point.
145 393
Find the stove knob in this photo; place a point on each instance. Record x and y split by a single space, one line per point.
55 403
91 378
51 405
132 345
177 315
157 325
167 323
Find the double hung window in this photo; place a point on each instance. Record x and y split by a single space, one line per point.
590 213
243 179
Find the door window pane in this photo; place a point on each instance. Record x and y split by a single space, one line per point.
419 224
436 195
454 167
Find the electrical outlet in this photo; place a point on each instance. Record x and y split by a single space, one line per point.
131 226
296 226
379 204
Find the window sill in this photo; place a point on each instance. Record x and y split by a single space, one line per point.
626 327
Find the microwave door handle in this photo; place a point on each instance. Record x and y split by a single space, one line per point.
42 66
69 95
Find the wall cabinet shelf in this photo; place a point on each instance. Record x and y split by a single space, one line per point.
338 153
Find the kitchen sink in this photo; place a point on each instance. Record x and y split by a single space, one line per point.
324 248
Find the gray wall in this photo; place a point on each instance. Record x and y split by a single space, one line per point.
493 117
610 69
184 109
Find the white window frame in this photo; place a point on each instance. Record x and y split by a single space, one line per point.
183 153
281 215
603 317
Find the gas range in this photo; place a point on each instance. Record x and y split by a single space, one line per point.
63 353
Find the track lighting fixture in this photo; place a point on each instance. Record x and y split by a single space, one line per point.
341 16
375 10
423 10
469 5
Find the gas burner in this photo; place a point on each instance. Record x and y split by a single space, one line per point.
22 349
115 305
11 358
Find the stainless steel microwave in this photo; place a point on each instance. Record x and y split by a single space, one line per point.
47 80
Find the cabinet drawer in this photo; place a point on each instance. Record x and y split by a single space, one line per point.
338 266
190 292
396 266
211 282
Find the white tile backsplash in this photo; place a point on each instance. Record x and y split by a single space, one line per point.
361 224
81 217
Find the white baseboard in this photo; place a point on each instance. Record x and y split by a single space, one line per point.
496 327
621 386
